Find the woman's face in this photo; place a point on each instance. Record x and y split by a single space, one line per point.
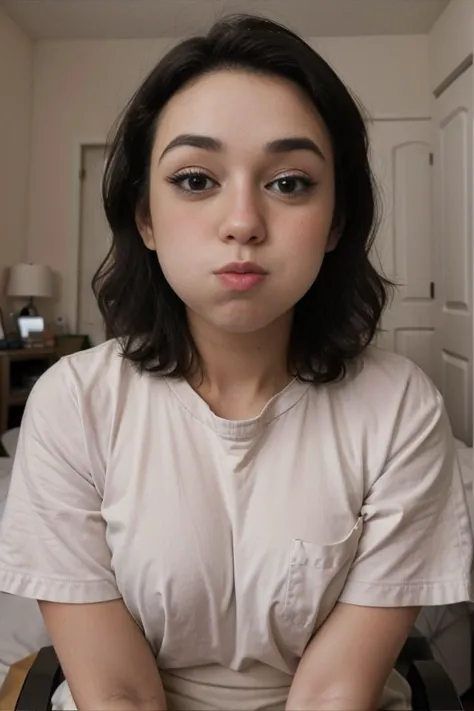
241 198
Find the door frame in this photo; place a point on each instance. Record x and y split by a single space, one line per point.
464 66
80 145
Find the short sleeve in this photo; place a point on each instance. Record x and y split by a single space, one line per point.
416 545
52 535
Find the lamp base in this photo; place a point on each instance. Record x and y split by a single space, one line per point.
29 309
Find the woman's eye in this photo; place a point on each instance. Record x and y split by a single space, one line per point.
193 182
197 182
292 185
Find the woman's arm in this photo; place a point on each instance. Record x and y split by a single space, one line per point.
349 660
105 658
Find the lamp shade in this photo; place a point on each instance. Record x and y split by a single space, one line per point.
30 280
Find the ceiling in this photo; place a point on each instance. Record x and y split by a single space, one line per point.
140 19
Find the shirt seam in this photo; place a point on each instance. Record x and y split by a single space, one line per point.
232 437
412 583
14 573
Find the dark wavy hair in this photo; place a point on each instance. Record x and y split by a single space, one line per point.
339 315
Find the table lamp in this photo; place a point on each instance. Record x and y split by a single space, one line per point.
31 281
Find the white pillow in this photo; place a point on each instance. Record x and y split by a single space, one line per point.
466 462
6 464
10 441
62 699
22 630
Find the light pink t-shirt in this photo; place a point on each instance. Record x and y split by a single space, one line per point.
231 541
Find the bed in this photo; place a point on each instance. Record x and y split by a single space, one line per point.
447 628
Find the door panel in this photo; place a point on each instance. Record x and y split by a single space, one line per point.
453 217
400 158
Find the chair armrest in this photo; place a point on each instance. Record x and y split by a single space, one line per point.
416 647
41 681
432 688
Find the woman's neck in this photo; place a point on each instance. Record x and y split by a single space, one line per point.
241 371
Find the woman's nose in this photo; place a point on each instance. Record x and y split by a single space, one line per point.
243 219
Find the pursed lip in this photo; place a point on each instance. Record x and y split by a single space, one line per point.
242 268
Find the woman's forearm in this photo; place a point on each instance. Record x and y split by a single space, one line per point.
347 663
126 703
105 658
151 698
125 700
327 689
302 702
308 694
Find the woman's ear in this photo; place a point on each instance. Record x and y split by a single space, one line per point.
336 231
145 228
333 239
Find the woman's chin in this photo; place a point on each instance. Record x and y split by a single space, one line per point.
239 326
239 320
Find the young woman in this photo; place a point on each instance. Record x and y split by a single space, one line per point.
237 502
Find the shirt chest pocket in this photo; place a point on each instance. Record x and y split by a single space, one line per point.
316 577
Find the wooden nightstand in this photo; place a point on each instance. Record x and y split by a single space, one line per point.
18 371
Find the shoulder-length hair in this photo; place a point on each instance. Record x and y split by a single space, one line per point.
339 315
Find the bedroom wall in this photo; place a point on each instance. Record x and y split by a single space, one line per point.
451 40
79 87
16 87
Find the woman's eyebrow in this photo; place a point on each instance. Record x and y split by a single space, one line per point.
195 141
280 145
294 143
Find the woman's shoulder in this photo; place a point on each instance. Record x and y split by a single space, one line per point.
378 368
98 375
383 382
92 391
103 356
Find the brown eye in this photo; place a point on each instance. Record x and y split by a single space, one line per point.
287 185
192 182
292 185
197 182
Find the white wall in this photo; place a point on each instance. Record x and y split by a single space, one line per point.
80 86
389 74
16 86
451 40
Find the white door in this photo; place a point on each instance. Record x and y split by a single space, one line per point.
400 158
453 123
94 243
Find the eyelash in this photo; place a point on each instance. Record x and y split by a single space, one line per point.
178 178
